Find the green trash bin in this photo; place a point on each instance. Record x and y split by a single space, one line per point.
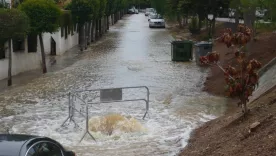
182 50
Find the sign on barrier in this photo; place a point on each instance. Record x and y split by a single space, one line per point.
109 95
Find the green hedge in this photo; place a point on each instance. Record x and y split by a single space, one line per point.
66 18
66 22
14 23
194 25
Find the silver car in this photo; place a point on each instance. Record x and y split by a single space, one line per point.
149 10
157 21
151 15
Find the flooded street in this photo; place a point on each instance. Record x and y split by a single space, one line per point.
130 54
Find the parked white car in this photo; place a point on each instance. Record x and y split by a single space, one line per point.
149 10
133 10
260 13
232 13
157 21
151 15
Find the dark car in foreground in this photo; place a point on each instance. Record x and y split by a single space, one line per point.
29 145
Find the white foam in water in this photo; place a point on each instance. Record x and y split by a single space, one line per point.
165 133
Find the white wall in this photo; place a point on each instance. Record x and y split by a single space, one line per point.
24 61
62 44
21 61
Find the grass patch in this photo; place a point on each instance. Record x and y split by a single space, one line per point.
265 27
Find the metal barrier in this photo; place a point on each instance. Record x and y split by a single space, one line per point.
109 95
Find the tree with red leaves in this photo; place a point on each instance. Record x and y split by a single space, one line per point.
240 81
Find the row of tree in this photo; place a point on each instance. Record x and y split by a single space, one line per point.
35 17
182 9
32 17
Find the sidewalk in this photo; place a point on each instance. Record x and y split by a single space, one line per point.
54 63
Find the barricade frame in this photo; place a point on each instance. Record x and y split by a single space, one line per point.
74 95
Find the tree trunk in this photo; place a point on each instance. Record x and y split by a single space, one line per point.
96 28
108 23
199 19
81 36
184 21
92 31
214 25
249 17
89 33
100 27
244 107
237 19
249 21
103 25
86 35
44 68
179 21
113 19
10 64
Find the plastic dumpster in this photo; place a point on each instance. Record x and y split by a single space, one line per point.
202 49
182 50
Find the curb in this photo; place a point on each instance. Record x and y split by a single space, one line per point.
267 67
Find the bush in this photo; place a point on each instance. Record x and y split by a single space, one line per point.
66 22
44 15
81 10
194 25
14 24
265 27
68 6
66 18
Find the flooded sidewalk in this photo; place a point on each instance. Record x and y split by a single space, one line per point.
54 63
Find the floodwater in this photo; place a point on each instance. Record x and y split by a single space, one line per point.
131 54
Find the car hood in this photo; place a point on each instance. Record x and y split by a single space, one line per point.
156 20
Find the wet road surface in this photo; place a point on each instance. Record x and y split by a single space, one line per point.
131 54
